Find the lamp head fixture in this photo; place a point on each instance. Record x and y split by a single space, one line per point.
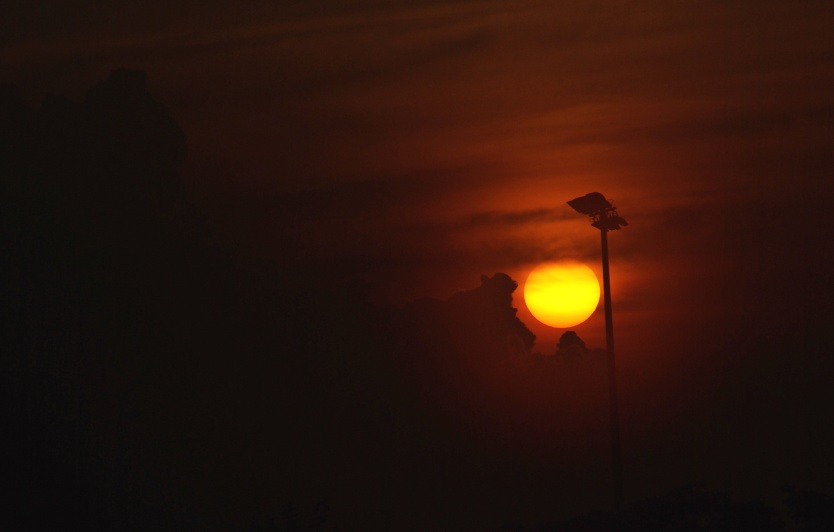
603 214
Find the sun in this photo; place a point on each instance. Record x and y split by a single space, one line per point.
561 294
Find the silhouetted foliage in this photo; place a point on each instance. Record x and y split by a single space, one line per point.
570 344
452 346
479 324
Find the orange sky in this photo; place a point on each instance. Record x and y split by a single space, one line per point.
408 148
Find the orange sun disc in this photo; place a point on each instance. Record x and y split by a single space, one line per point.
561 294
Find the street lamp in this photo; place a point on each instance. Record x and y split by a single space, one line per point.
605 218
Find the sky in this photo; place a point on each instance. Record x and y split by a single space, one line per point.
404 149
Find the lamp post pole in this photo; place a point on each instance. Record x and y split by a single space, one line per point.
605 218
616 454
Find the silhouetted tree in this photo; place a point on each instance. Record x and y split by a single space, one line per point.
570 344
484 320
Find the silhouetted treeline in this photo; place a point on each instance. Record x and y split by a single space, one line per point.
570 344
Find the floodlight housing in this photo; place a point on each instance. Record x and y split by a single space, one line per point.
590 203
603 214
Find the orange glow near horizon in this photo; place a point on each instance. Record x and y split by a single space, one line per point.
562 294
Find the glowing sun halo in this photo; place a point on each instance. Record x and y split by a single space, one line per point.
561 294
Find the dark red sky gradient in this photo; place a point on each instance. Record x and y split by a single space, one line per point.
406 148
